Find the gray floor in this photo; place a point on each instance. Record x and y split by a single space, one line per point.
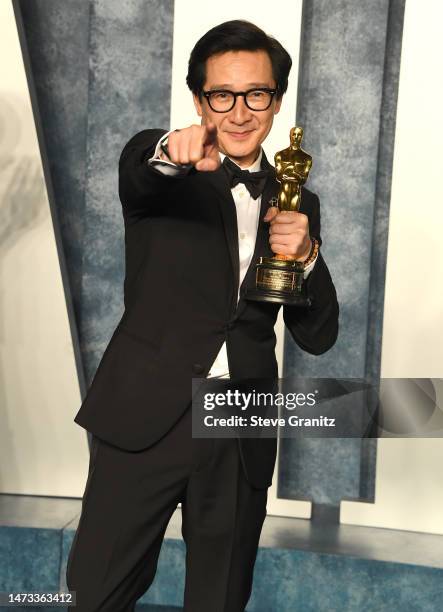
278 532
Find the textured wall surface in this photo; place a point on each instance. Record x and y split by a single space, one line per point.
57 36
347 99
101 75
130 76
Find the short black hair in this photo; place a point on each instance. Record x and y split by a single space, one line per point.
237 35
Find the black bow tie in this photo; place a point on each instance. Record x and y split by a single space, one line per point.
253 181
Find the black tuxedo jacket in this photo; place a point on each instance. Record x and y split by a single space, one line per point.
180 296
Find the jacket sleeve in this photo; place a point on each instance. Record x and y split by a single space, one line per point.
315 329
140 185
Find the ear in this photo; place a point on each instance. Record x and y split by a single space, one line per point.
198 105
278 105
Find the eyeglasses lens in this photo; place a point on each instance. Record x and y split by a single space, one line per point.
223 101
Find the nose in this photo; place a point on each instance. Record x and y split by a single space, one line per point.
240 113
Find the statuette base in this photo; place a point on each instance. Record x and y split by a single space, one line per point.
280 282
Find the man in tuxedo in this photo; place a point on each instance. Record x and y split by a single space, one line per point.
195 225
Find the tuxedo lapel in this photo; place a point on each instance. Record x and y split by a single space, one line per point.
270 191
219 183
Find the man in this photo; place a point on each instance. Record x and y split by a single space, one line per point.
193 234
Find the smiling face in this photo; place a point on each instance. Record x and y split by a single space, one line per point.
240 131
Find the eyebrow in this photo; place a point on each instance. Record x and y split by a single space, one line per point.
248 86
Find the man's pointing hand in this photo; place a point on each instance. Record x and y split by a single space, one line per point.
196 145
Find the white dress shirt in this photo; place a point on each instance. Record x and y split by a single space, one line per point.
248 212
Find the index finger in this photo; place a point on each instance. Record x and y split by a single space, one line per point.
211 134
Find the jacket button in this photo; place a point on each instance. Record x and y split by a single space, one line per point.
229 326
197 368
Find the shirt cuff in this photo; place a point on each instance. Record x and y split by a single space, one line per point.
167 168
309 268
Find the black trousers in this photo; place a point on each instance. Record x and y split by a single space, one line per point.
128 501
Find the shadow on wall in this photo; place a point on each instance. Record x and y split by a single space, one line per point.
23 207
22 186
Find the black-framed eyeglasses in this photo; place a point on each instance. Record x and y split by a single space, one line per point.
223 100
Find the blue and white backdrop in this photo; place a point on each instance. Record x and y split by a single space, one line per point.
79 78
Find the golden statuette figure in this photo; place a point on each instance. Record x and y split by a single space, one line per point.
280 278
292 166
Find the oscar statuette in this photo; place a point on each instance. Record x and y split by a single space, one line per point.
280 278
